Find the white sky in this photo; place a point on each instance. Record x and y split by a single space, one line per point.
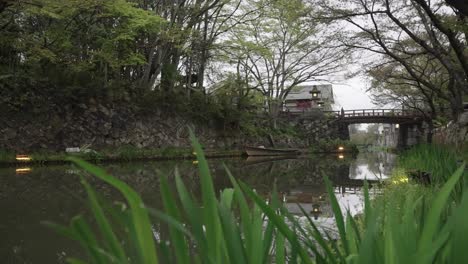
350 94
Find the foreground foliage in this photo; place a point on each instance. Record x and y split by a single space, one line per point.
438 161
239 226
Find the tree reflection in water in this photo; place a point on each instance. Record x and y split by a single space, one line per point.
55 194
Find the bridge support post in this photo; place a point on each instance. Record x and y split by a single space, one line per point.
343 131
403 136
427 128
419 133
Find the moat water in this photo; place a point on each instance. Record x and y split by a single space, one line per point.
31 195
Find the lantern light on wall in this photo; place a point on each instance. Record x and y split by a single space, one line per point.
23 157
315 93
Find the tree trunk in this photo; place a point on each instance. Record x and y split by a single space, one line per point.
430 132
203 56
461 6
456 105
169 71
274 110
145 81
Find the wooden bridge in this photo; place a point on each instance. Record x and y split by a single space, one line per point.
392 116
396 116
356 116
410 123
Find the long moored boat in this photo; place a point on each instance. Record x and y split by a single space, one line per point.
259 151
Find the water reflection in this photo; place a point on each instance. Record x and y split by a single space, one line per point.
372 165
24 170
55 194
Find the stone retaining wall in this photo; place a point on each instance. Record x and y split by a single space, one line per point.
455 133
102 126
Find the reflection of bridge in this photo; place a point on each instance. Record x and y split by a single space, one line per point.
354 190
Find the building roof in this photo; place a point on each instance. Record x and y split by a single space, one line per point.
303 92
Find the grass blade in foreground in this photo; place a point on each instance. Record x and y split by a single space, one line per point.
279 223
338 215
104 225
140 219
210 207
431 226
178 240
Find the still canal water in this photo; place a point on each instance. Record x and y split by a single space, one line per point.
29 196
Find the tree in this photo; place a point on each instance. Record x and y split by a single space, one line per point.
368 136
460 5
408 33
108 49
72 49
181 52
392 84
281 47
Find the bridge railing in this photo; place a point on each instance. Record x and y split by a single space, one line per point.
372 112
305 112
352 113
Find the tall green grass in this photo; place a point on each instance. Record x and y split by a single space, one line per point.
239 226
438 160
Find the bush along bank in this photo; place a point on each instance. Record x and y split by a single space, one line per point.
239 226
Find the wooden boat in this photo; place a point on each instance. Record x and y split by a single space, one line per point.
251 160
259 151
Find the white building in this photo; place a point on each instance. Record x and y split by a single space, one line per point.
300 98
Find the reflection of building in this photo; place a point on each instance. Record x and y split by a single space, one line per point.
313 199
389 135
300 98
316 203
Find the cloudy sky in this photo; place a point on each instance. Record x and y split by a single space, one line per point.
350 94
